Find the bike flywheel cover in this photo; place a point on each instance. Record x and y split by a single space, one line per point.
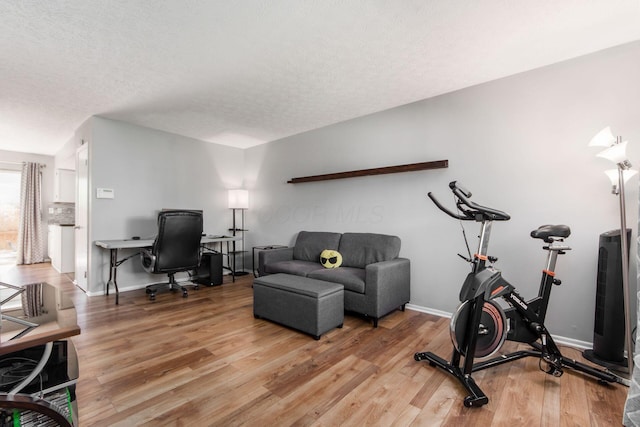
492 331
458 325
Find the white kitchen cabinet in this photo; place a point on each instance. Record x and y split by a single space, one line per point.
65 186
62 248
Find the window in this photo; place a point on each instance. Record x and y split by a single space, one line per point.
9 220
9 215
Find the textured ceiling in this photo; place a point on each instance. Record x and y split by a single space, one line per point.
247 72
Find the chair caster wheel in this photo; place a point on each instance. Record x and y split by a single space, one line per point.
185 294
152 297
196 287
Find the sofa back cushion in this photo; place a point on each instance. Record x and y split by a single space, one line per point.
310 244
360 249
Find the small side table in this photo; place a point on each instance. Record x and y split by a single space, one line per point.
261 248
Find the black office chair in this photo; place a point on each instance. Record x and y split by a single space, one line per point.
175 249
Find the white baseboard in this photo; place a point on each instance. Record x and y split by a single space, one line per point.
112 289
133 287
428 310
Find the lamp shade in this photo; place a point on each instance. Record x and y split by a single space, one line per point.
238 199
616 153
613 175
604 138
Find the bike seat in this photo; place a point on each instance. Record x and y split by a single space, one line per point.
545 232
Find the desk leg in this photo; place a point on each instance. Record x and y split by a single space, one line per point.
233 269
229 266
113 271
253 263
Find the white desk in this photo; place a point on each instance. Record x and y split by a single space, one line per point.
114 245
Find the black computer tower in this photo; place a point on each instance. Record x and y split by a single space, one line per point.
210 270
609 325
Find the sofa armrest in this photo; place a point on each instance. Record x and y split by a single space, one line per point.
387 284
273 255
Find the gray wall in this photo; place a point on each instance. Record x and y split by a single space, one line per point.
150 170
519 144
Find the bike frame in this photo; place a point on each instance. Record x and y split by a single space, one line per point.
525 318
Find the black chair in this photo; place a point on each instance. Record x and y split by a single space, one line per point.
175 249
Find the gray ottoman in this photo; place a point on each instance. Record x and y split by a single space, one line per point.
308 305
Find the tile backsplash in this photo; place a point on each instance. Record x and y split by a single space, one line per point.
62 213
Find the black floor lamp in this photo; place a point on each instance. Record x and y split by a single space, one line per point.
238 201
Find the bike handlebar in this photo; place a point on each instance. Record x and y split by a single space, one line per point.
469 211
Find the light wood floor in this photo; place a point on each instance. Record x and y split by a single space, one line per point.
205 361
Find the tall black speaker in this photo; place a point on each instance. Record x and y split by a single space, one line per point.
209 271
609 325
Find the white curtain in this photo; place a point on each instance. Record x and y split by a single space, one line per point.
30 230
32 302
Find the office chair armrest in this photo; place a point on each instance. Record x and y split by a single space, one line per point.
148 260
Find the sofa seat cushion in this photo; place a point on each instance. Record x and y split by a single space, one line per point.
361 249
295 267
351 278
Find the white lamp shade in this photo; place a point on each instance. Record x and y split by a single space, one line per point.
616 153
604 138
238 199
613 175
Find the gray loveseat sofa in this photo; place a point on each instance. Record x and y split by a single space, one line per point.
376 281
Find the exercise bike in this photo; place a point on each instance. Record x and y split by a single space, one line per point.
480 325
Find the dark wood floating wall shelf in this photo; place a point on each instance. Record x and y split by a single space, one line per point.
412 167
